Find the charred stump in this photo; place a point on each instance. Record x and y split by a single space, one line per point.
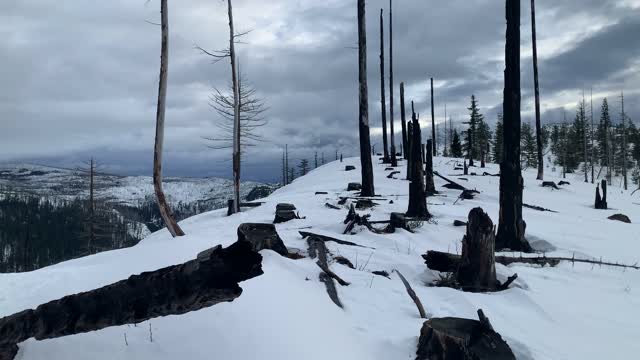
208 280
261 237
601 202
409 146
511 226
477 268
461 339
417 196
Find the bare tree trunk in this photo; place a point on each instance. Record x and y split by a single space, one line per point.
624 143
409 146
417 197
394 160
236 112
430 186
365 142
165 211
405 142
537 92
511 227
286 161
433 123
584 137
383 98
593 148
92 208
445 130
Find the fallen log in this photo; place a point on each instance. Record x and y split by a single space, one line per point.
412 295
451 184
318 249
331 206
391 174
464 339
446 262
539 208
323 238
208 280
550 184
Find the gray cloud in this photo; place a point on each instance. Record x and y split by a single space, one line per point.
79 78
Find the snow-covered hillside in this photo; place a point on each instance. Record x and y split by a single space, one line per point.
571 311
127 190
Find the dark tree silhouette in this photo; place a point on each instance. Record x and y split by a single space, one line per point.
363 121
394 160
511 226
383 98
405 142
537 92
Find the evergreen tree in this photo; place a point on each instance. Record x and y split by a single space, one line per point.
483 139
603 132
472 143
578 134
456 146
498 141
529 154
303 167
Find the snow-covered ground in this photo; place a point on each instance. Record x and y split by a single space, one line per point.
565 312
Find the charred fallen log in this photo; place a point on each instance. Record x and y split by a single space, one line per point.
451 184
208 280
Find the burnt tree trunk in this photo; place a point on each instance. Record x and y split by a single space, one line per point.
429 184
208 280
461 339
405 143
409 147
511 227
383 99
433 123
394 160
417 197
165 212
601 202
365 141
477 269
537 92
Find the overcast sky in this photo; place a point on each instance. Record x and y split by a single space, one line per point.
79 78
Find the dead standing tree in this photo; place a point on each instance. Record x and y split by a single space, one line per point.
165 211
363 121
417 196
511 226
394 160
235 85
405 142
433 123
386 159
537 92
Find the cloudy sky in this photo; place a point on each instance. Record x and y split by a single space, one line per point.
79 78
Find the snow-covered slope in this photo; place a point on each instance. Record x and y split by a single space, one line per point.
566 312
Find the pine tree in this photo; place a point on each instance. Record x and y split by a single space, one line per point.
483 140
456 146
529 147
602 134
498 141
471 142
303 167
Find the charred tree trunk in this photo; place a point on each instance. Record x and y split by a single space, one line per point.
461 339
477 270
409 147
537 92
383 98
417 197
365 142
430 185
208 280
405 143
433 123
394 160
163 206
601 202
511 226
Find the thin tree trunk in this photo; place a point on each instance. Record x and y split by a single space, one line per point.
593 148
433 123
417 197
383 98
405 142
537 92
394 160
624 144
165 211
584 137
445 129
365 142
511 227
236 112
92 208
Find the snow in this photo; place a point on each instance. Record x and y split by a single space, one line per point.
572 311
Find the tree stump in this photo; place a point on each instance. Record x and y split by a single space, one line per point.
620 217
417 197
461 339
601 202
354 187
349 168
398 221
262 236
285 212
477 269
